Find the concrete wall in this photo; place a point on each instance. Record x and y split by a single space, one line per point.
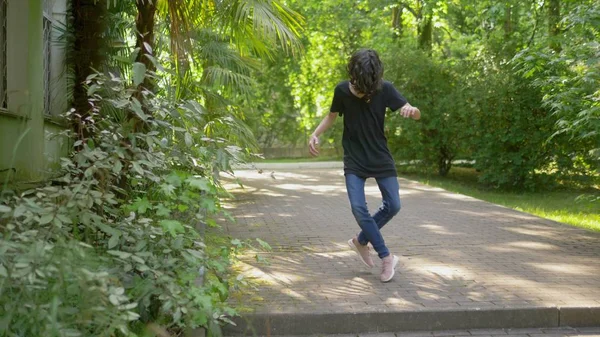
25 147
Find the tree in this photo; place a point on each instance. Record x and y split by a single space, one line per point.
86 42
554 24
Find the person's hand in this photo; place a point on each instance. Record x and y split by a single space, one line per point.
312 145
410 111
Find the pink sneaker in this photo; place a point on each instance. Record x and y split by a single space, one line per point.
387 267
362 251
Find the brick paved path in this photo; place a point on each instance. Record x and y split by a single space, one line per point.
456 251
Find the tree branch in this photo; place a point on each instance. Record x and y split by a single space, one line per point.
417 15
535 27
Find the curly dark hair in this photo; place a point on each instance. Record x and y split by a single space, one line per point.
366 72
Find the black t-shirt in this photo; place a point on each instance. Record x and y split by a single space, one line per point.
366 153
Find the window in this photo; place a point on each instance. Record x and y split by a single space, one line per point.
47 24
3 73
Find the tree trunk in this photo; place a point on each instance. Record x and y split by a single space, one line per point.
553 24
144 24
397 24
444 161
88 26
426 34
507 22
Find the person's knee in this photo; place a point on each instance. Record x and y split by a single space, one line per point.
394 207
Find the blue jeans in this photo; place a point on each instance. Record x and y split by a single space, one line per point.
371 225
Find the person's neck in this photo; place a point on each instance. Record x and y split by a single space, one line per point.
354 91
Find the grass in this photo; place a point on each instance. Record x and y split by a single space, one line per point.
565 205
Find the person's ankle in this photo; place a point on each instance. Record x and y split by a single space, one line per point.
356 240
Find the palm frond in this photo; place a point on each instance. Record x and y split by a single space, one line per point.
217 76
252 21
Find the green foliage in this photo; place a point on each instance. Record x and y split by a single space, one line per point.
510 130
439 137
569 81
110 245
271 114
511 85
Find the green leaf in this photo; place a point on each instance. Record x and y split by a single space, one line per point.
141 205
174 179
188 139
136 106
200 318
122 255
64 219
161 210
93 89
5 209
199 182
212 223
113 241
19 211
236 242
46 218
107 229
155 62
139 73
172 226
137 168
117 167
264 244
167 189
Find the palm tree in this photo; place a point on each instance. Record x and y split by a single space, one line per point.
215 38
252 26
219 40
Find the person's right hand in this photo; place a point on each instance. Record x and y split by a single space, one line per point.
312 145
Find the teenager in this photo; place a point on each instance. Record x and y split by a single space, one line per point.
363 101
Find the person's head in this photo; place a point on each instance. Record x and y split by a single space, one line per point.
366 71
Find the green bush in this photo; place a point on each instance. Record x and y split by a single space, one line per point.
439 137
109 245
568 80
510 129
479 108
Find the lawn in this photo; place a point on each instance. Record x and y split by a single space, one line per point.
564 205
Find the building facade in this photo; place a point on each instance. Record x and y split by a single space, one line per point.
33 87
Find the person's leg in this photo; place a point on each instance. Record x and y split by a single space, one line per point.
390 206
355 186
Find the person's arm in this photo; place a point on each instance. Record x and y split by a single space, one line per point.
396 101
325 124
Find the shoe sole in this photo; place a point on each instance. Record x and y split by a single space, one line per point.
351 244
393 270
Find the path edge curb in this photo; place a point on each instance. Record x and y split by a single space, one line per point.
265 324
579 317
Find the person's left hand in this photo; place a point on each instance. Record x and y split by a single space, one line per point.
410 111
